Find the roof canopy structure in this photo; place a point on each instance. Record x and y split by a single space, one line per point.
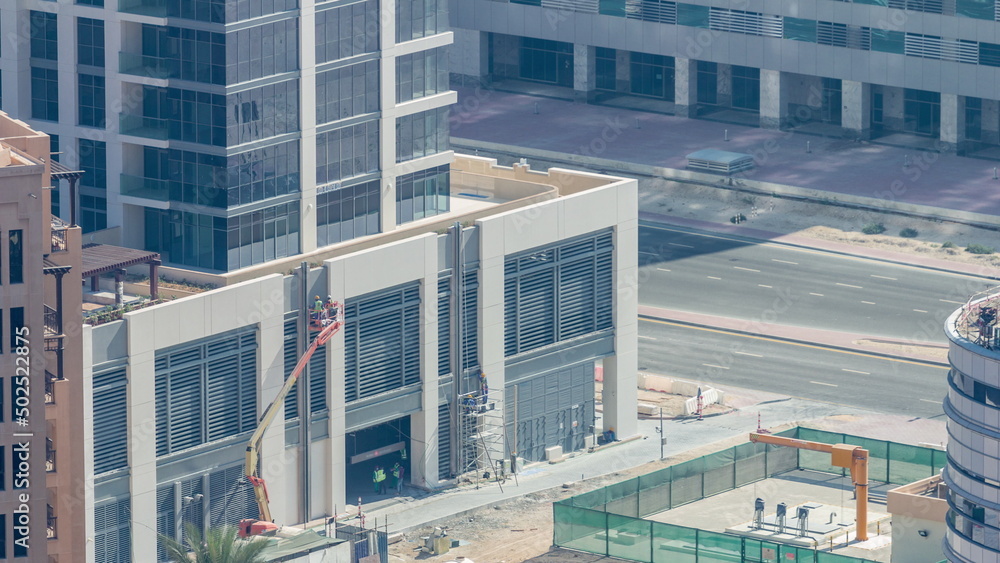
100 259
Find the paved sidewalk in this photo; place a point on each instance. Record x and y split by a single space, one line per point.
837 166
408 513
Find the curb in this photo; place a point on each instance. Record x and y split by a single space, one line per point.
798 341
665 220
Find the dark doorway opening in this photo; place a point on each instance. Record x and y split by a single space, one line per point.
382 445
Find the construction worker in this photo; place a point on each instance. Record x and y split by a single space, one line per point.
380 476
609 435
375 478
397 476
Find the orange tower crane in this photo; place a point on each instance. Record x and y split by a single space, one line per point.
327 322
842 455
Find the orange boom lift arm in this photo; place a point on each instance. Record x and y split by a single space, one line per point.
250 526
841 455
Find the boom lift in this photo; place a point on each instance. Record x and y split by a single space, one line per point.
842 455
327 321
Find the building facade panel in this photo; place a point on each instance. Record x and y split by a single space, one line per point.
973 409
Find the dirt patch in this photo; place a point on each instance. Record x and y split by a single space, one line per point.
520 529
822 221
939 353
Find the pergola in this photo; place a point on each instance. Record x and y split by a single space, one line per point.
61 172
103 258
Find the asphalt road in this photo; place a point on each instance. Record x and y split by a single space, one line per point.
728 276
889 385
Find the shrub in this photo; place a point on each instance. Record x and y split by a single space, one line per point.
873 229
741 218
908 233
979 249
948 244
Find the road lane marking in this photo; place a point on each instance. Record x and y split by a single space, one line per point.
817 294
855 371
883 277
714 366
868 302
793 343
746 269
648 253
930 401
919 311
849 285
646 337
821 383
953 302
713 278
802 250
749 354
767 286
663 269
680 245
785 261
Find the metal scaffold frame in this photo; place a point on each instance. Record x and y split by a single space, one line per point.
483 438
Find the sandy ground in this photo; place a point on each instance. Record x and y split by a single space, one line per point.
520 530
819 221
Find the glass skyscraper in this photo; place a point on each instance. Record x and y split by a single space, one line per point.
230 133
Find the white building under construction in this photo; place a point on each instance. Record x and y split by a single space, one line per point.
530 279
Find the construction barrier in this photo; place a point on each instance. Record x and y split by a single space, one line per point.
609 521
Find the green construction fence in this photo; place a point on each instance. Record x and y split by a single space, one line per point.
610 520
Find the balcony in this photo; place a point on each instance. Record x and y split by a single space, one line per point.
50 522
150 67
146 188
59 234
141 126
50 388
51 322
50 456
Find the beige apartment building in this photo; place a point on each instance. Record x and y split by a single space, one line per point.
39 358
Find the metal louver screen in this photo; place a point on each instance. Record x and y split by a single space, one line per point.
112 532
659 11
747 23
206 391
291 357
586 6
843 35
192 511
164 518
931 47
558 293
317 381
382 341
444 325
469 319
110 420
317 371
230 497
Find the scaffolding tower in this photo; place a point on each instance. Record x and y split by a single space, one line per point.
482 436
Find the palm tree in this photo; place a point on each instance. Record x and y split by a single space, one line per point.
219 545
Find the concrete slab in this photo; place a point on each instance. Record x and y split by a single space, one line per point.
732 511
